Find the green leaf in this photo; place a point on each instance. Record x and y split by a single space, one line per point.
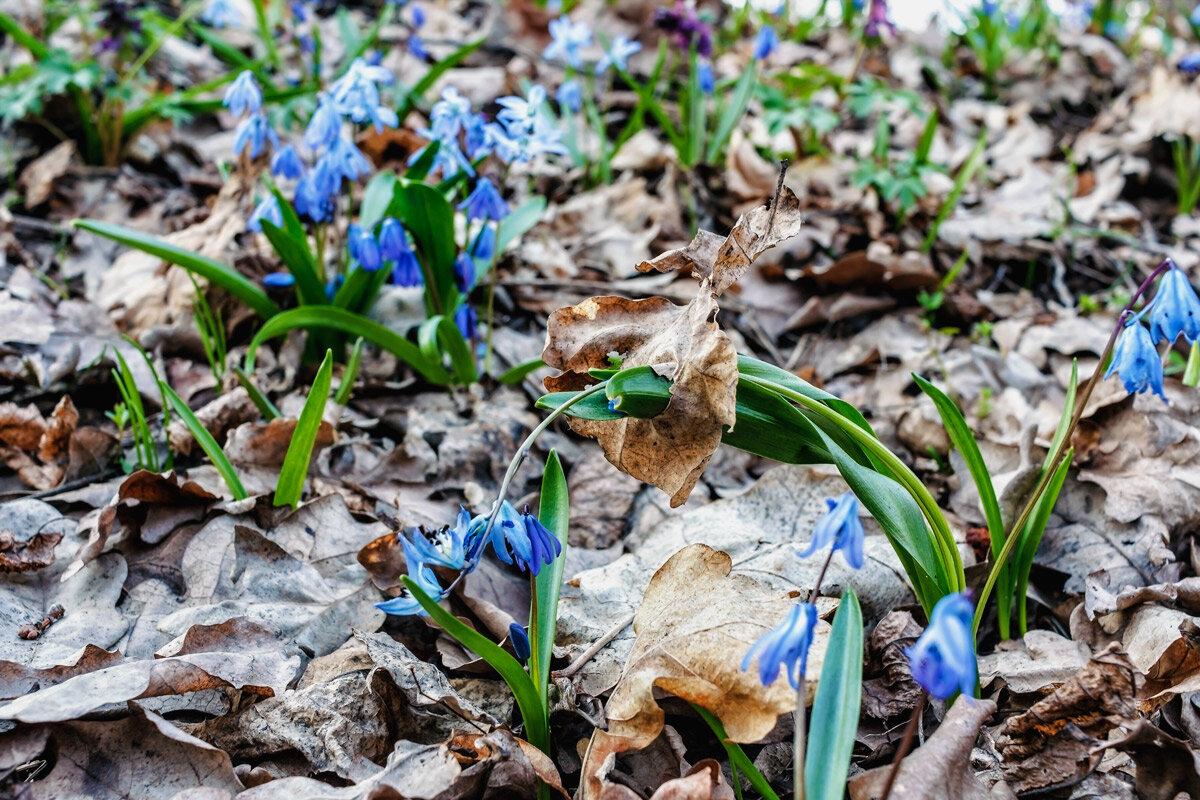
835 709
439 335
732 113
593 407
638 392
771 427
207 443
299 262
537 729
346 387
554 513
737 756
260 400
339 319
376 199
304 437
360 289
1030 538
516 374
213 271
519 221
429 217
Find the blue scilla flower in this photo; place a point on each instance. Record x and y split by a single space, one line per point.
618 53
254 132
324 127
484 245
279 280
840 527
520 642
484 202
521 112
345 160
286 163
447 116
368 255
464 272
785 645
221 14
405 604
766 41
356 94
416 15
1136 360
475 136
943 659
1194 17
269 210
243 95
451 160
466 320
309 201
567 41
569 96
393 241
299 12
1176 309
446 548
406 271
417 47
1190 63
704 77
521 540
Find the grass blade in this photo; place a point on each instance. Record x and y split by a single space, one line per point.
554 513
260 400
737 756
835 710
207 443
346 387
299 454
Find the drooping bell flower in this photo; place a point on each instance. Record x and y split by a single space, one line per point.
785 646
1175 309
943 659
1136 361
841 528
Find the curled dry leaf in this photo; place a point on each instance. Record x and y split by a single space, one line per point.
45 452
1038 749
941 769
32 554
266 444
694 626
1166 767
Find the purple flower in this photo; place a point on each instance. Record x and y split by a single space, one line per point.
1136 360
840 527
877 20
689 30
943 659
254 131
1175 309
243 95
484 202
269 210
286 163
785 645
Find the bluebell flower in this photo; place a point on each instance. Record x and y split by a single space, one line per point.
522 111
766 41
1136 360
345 160
221 14
520 642
324 127
785 645
1190 63
447 116
243 95
484 202
446 548
618 53
841 528
475 136
466 320
417 15
943 659
405 604
417 48
449 158
310 201
406 271
1176 309
299 12
334 285
366 250
484 246
500 144
286 163
254 131
567 41
392 239
569 96
269 210
356 95
464 272
520 539
279 280
704 77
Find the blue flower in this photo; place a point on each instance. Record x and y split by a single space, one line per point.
405 604
253 132
448 115
785 645
269 210
407 271
279 280
943 659
475 136
243 95
447 548
466 320
417 15
520 539
464 272
1176 309
484 246
356 95
1190 63
309 201
299 12
567 40
765 42
365 249
1194 17
484 202
521 112
618 53
286 163
450 159
344 160
393 241
417 48
840 527
1138 363
569 96
221 14
324 127
704 77
520 642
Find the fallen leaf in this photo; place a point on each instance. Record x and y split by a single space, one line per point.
941 768
1167 767
266 444
37 180
1037 662
33 553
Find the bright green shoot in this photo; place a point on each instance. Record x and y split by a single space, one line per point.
304 438
212 332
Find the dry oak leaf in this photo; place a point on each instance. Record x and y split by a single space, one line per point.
695 624
941 768
31 554
685 344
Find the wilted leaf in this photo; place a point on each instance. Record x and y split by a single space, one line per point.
1167 767
266 444
941 768
33 553
18 679
1037 662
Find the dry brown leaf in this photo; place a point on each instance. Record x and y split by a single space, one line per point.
671 450
223 414
21 428
1167 767
38 179
941 769
31 554
1037 749
266 444
693 628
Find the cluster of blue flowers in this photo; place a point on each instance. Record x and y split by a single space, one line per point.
1174 312
943 658
244 99
516 538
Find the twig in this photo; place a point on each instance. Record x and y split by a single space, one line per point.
599 644
905 744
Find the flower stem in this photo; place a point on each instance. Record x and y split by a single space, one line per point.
910 733
798 741
1010 540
